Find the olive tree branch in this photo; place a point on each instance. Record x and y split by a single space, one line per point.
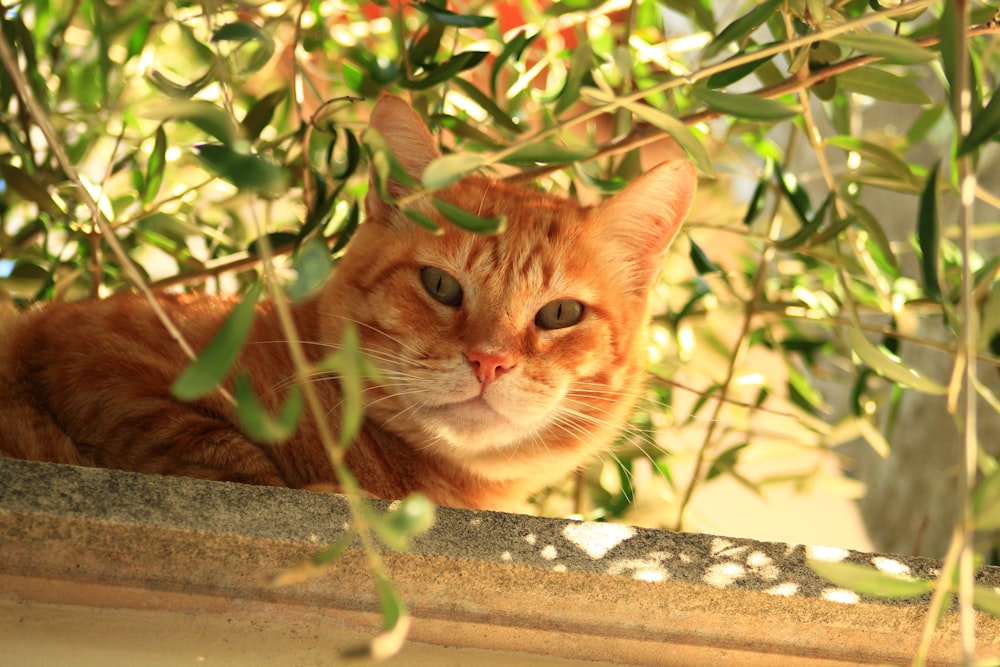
645 133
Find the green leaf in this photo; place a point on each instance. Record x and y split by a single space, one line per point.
255 420
243 32
395 621
878 155
985 126
888 365
500 117
875 232
261 113
949 28
176 229
730 76
546 152
214 362
182 91
880 5
384 164
239 31
892 48
869 581
741 28
469 221
567 6
154 167
450 18
433 75
882 85
30 189
603 185
795 194
928 234
411 517
579 69
750 107
702 263
423 220
137 39
345 233
424 49
512 49
466 130
447 169
759 196
677 130
209 118
276 240
244 170
351 368
353 154
986 599
313 266
699 290
354 78
808 229
725 462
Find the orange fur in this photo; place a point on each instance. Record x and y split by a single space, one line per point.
478 405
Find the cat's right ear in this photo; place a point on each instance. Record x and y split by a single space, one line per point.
406 137
638 224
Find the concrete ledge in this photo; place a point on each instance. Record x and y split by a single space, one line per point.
100 561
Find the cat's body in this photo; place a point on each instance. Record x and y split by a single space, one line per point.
506 361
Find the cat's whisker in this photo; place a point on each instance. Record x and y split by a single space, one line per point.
414 351
638 438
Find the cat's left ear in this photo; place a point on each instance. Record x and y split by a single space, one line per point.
407 137
638 223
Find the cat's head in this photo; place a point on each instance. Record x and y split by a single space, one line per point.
517 355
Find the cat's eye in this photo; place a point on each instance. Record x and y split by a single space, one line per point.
442 286
559 314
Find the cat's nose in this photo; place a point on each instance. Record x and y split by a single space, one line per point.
489 367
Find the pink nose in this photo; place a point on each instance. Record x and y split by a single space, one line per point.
489 367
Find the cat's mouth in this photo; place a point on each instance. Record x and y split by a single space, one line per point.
477 405
472 418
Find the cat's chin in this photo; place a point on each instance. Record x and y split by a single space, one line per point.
474 422
474 426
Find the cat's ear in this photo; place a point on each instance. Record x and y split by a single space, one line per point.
636 225
406 136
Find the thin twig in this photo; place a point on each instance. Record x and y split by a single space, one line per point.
735 363
967 345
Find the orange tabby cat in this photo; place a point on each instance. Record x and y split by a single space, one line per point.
506 361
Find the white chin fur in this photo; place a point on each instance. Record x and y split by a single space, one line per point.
476 425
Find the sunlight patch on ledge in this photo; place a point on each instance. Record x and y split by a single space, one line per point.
841 595
597 539
828 554
642 569
723 575
785 590
891 566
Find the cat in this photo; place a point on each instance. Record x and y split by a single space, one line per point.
505 361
